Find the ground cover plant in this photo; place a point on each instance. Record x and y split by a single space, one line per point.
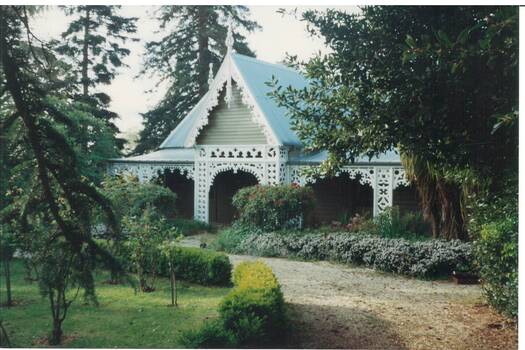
122 318
425 259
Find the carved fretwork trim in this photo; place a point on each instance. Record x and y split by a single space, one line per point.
228 72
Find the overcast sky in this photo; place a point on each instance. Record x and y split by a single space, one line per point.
279 35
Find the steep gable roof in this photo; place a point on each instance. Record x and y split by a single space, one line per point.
251 75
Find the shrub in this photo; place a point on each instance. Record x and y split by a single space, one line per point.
211 335
229 239
200 266
145 234
188 227
129 197
273 207
497 255
392 224
251 315
426 259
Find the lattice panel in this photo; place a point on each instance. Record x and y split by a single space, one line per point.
147 171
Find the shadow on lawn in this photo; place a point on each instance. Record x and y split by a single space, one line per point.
323 326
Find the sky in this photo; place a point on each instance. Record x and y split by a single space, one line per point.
279 35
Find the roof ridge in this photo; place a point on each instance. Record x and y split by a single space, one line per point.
276 65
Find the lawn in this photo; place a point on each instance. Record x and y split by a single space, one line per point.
122 318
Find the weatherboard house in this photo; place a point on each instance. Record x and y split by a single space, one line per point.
238 136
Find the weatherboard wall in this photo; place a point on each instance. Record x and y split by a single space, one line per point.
231 125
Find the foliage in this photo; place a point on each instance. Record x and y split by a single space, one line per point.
230 238
49 195
273 207
493 221
130 197
144 236
92 45
211 335
425 259
123 318
63 270
7 250
199 266
497 253
251 315
188 227
414 85
194 38
392 224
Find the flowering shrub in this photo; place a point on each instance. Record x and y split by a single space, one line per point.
421 259
273 207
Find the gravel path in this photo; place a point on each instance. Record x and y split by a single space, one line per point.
338 306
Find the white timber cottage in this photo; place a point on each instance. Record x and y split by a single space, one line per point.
238 136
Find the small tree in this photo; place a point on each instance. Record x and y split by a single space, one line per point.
130 198
145 234
169 251
63 269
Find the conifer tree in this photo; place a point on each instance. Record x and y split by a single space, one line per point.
195 39
47 196
93 45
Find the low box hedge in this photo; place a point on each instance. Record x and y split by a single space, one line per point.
251 315
206 267
201 266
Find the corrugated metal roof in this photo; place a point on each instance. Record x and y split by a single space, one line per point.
177 138
163 155
301 157
256 74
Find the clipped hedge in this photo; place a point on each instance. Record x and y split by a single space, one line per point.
206 267
425 259
251 315
274 207
200 266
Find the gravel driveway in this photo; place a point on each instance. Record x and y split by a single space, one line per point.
339 306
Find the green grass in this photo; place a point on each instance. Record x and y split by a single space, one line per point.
122 319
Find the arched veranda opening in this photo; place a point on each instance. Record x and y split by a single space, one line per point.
339 198
183 188
224 187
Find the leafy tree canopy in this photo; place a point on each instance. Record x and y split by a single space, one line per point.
437 83
433 81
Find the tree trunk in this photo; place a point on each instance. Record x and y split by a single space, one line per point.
7 270
85 56
452 224
56 334
173 283
203 58
55 337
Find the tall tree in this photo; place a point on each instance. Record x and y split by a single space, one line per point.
195 39
93 45
49 198
439 83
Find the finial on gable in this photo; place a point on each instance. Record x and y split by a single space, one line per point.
229 38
